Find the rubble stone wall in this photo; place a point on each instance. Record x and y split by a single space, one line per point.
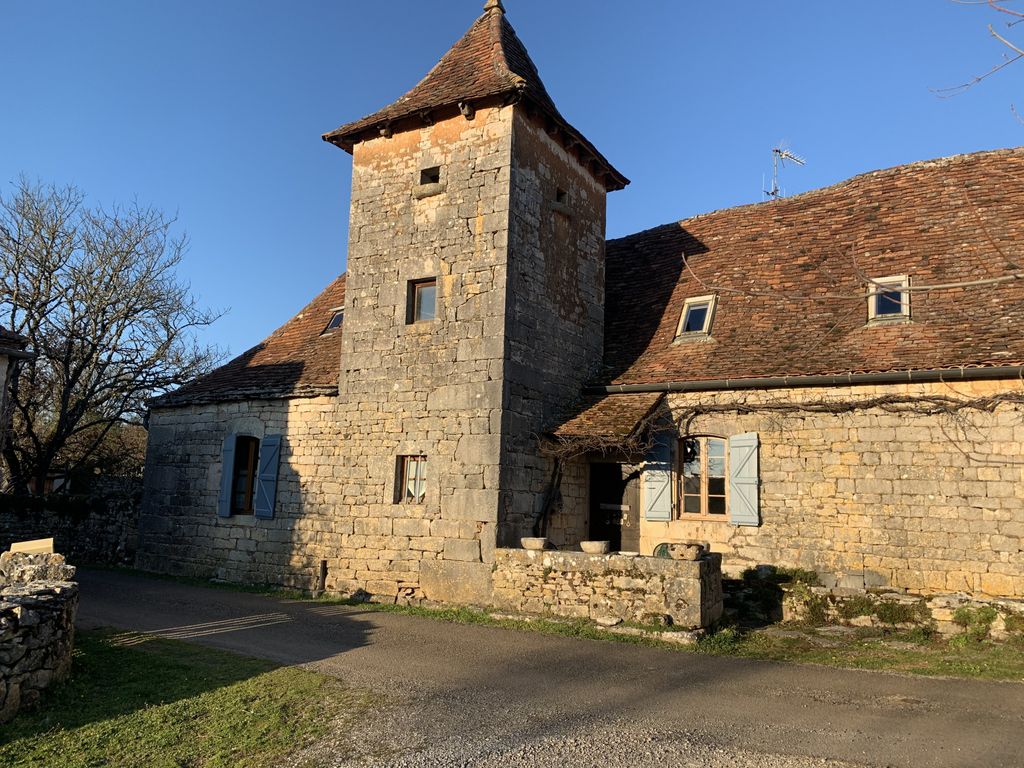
641 589
38 602
872 498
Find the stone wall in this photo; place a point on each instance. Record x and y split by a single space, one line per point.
101 527
870 498
554 314
179 530
38 602
640 589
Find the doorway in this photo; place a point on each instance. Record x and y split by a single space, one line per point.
614 505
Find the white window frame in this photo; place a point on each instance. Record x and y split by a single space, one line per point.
712 301
877 286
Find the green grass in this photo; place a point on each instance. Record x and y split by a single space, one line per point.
148 702
916 652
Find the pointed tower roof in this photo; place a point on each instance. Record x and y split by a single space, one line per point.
489 62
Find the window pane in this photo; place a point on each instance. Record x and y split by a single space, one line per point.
696 314
716 466
889 302
716 486
691 458
691 485
691 504
716 505
426 296
335 322
716 447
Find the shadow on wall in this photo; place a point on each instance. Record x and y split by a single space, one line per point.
640 283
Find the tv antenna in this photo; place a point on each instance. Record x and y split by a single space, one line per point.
779 157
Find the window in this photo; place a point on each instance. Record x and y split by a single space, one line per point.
702 476
889 298
243 476
411 486
421 301
336 320
698 312
430 175
561 196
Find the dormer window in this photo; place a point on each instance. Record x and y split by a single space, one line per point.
889 298
698 314
336 320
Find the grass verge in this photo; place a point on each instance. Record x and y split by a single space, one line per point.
136 701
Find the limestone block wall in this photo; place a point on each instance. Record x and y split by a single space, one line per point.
431 388
642 589
38 602
555 311
927 503
179 530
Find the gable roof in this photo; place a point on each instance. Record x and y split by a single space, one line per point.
786 272
488 62
296 360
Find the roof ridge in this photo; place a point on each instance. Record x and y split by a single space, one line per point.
810 193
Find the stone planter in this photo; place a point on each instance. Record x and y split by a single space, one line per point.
595 547
691 550
534 543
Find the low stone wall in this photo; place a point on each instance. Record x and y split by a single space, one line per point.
98 528
38 602
630 588
949 615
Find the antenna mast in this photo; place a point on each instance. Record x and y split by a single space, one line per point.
779 157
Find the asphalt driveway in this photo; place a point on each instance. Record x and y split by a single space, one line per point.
476 695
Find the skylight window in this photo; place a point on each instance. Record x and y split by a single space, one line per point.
336 320
889 298
698 314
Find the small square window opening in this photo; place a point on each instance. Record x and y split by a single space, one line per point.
412 480
698 313
336 320
431 175
422 301
561 196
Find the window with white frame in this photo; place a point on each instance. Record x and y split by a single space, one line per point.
889 298
698 314
703 471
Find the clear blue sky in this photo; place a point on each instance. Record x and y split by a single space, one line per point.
214 110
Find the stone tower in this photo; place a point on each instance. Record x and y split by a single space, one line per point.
474 315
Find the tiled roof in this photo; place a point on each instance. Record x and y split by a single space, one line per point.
786 274
489 61
608 416
296 360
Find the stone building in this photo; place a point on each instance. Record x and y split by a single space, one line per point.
830 381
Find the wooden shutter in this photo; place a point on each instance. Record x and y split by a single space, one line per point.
227 472
657 479
744 480
266 476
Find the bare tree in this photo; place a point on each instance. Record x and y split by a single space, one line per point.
1013 52
96 293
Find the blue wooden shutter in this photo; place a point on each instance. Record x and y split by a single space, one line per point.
657 478
266 476
227 471
744 482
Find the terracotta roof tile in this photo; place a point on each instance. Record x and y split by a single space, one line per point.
776 267
296 360
489 61
607 416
